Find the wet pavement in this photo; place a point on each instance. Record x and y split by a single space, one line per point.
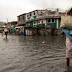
33 54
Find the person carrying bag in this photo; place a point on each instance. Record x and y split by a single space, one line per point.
67 29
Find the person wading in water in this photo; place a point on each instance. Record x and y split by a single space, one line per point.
68 33
6 32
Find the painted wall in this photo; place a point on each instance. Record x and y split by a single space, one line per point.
28 32
21 19
39 23
54 24
42 22
29 24
59 23
45 22
28 17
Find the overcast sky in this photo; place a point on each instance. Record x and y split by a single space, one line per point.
10 9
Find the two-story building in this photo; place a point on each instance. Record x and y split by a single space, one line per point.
41 18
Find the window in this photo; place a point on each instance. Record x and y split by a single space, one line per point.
42 22
18 18
49 20
27 15
41 11
53 20
30 14
38 21
34 22
34 13
23 17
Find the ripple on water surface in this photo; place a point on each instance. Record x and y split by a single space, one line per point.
33 54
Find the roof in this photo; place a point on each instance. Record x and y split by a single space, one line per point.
29 12
49 11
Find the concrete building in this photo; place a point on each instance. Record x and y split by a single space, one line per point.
12 24
41 18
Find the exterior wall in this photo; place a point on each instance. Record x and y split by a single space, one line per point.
39 23
44 13
35 23
57 12
27 24
30 24
32 16
41 13
38 14
42 22
59 23
21 19
54 24
28 32
45 22
12 24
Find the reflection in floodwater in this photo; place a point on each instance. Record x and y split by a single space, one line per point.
33 54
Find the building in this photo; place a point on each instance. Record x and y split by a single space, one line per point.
11 26
40 18
2 26
21 20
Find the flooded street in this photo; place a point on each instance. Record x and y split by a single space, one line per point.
33 54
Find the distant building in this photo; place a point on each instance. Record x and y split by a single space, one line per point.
2 26
11 24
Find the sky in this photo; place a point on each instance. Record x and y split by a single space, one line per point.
10 9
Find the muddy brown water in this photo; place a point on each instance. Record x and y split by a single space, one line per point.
33 54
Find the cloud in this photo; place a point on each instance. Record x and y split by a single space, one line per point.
62 4
12 8
9 13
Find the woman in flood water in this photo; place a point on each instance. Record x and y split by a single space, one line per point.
6 32
68 34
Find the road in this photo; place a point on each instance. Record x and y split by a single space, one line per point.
33 54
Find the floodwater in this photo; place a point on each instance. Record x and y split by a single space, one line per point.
33 54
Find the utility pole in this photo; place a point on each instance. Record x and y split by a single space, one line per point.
7 20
